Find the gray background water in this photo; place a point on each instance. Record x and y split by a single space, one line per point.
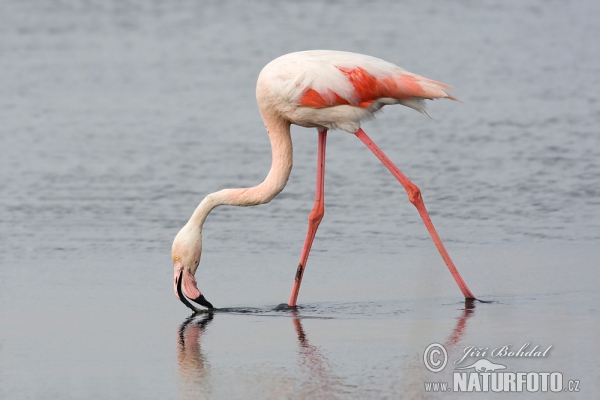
117 117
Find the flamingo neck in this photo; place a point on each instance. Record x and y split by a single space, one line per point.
281 167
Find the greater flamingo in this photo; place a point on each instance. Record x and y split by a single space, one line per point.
315 89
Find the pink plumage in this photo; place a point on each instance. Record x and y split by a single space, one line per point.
339 89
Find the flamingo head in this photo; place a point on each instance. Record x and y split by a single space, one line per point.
186 251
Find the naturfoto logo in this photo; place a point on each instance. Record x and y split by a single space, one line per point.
490 376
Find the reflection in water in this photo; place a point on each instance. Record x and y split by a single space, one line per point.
458 332
415 374
315 377
193 366
320 382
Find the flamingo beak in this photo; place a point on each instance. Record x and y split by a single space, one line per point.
187 287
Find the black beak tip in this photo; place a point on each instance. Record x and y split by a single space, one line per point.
203 302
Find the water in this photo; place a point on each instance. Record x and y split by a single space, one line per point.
118 117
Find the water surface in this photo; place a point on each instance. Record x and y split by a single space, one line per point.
119 117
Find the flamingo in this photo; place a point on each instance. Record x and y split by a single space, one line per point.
325 90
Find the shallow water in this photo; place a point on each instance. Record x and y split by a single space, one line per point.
118 117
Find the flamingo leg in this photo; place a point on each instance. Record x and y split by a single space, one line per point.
414 195
314 219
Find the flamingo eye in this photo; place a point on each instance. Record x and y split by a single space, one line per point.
176 258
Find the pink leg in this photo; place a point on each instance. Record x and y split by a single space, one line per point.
314 219
414 195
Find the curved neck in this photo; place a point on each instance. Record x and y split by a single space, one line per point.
281 167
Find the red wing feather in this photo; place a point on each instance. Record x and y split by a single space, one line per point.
367 89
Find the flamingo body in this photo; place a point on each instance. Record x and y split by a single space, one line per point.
324 90
338 90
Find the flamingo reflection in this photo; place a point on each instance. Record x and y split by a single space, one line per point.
193 365
315 377
321 382
459 330
414 373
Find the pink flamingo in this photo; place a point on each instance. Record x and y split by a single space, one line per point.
324 90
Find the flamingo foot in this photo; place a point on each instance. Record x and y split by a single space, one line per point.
285 307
